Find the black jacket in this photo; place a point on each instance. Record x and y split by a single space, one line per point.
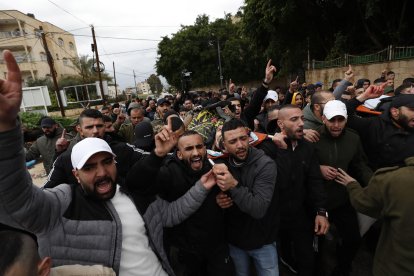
126 156
205 229
385 144
301 187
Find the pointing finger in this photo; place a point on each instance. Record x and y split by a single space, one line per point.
63 133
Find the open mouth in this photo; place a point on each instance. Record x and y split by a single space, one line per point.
103 186
196 162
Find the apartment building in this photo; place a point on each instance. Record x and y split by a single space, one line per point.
143 88
20 33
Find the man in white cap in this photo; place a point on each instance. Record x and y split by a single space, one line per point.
97 221
261 120
339 147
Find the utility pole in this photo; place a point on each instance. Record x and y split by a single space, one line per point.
95 47
116 90
219 60
135 81
52 71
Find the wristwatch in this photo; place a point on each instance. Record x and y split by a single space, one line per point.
322 212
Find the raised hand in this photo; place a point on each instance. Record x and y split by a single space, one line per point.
232 86
165 141
62 143
311 135
349 74
293 86
269 72
10 93
372 92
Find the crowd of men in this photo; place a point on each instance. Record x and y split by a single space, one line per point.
214 183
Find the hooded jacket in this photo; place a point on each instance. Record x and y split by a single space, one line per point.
252 219
311 121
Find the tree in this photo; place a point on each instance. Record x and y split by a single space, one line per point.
287 29
155 83
83 65
194 48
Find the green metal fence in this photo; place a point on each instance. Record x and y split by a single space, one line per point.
388 54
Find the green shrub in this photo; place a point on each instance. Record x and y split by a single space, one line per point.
32 120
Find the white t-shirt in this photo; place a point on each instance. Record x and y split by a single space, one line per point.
137 257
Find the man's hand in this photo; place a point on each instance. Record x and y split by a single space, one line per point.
10 93
349 74
311 135
321 225
269 72
372 92
343 178
120 119
279 140
165 141
232 87
243 92
62 143
223 200
208 180
293 86
225 179
328 172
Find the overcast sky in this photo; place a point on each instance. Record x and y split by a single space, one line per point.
146 20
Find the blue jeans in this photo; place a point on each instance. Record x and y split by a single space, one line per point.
265 260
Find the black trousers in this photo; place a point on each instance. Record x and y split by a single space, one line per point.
346 222
296 239
209 262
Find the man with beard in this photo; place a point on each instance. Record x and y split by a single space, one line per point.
94 221
302 193
45 145
247 179
126 130
313 112
388 138
163 105
91 124
198 245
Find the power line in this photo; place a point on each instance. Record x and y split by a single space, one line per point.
132 51
109 37
68 12
141 26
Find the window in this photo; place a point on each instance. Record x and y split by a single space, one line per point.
71 46
65 61
60 42
57 56
43 56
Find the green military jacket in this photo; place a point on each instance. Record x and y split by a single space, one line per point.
390 196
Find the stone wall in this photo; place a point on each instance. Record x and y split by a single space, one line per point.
403 69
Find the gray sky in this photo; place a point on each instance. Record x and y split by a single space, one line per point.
144 20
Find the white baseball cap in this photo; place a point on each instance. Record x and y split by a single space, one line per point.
271 94
84 149
335 108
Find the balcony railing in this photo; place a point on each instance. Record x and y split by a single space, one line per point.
19 59
388 54
10 34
